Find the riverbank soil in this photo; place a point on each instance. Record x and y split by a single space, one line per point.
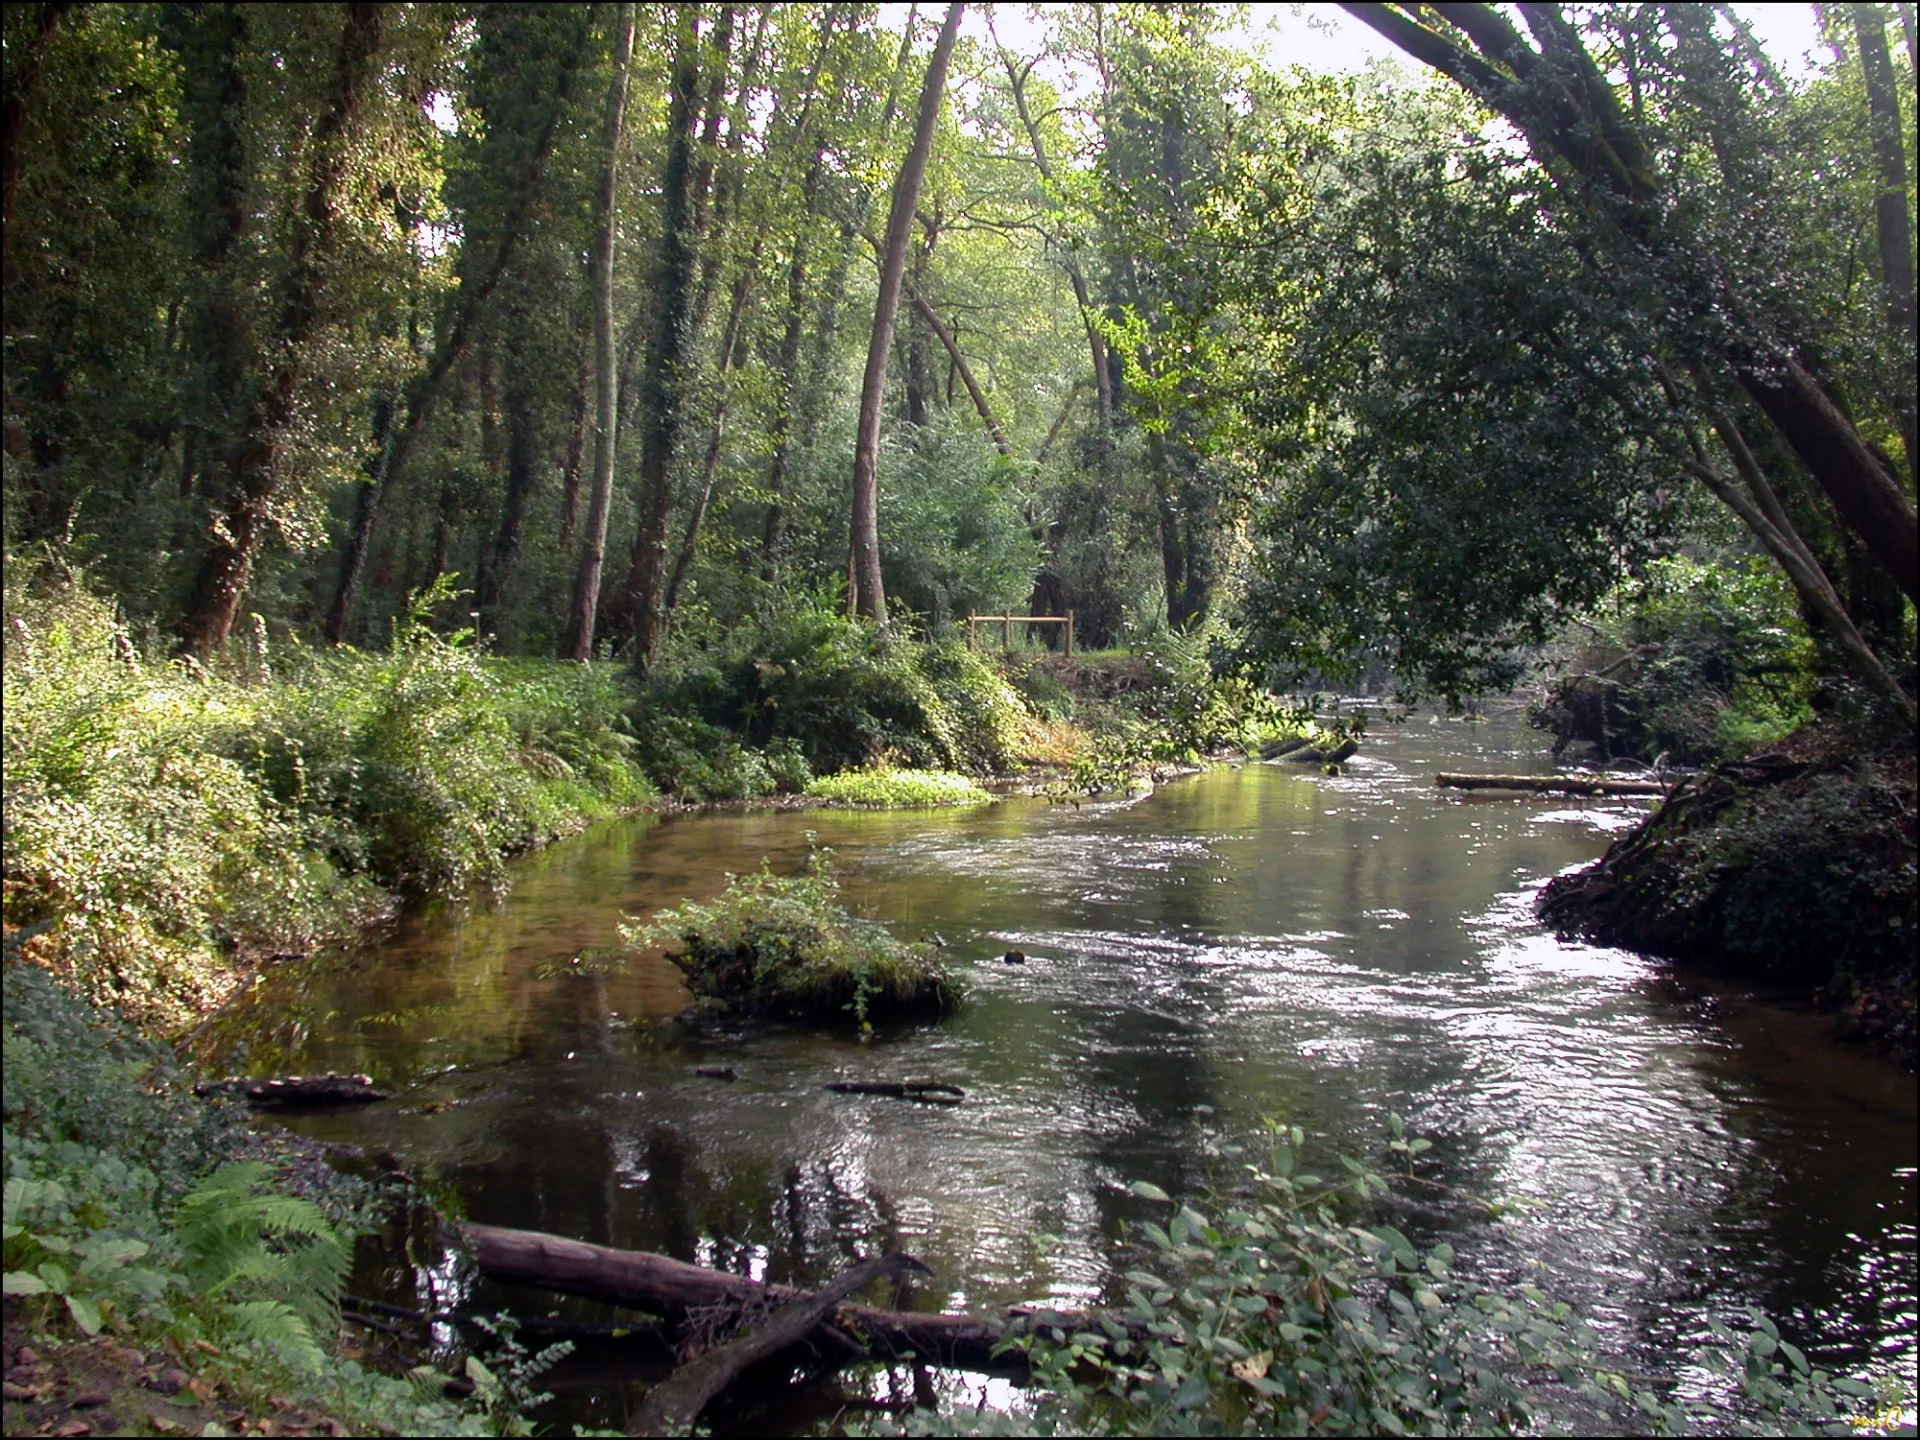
100 1386
1793 867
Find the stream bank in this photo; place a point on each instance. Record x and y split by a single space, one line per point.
1793 868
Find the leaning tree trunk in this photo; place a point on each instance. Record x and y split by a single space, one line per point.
252 468
869 591
586 584
1566 107
1894 229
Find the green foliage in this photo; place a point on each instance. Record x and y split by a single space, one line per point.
274 1257
809 692
1296 1308
161 815
1698 660
785 946
125 1214
1437 400
897 789
1178 701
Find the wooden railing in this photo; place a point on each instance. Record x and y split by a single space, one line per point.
1007 622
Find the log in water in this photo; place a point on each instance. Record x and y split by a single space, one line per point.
661 1285
1555 784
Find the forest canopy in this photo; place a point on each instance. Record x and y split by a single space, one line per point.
634 324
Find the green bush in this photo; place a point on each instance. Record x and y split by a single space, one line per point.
897 789
1698 661
159 816
813 693
786 947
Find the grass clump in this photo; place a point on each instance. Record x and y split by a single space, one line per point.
784 946
897 789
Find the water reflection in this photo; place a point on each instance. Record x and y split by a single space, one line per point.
1261 942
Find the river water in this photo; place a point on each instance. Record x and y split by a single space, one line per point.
1253 942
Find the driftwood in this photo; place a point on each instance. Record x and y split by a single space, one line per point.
676 1402
1277 748
1306 752
927 1092
328 1089
1555 784
670 1288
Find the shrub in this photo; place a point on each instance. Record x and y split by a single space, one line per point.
1694 660
897 789
786 947
160 815
815 692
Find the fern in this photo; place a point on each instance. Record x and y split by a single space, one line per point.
276 1256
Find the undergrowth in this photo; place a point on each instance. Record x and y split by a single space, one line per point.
1296 1308
161 816
132 1212
785 946
771 705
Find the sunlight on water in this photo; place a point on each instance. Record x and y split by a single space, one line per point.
1259 942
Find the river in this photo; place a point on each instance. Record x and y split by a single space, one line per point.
1261 941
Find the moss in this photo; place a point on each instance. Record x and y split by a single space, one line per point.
785 947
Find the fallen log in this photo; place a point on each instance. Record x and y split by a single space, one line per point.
1313 754
670 1288
675 1403
328 1089
1274 749
927 1092
1556 784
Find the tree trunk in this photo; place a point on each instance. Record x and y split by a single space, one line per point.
673 1405
643 597
13 112
491 587
869 591
1096 342
252 469
423 394
1894 230
1577 122
578 644
945 336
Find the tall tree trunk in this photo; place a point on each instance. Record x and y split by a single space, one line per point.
732 351
423 393
578 644
869 590
252 466
643 596
496 570
583 393
1894 230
